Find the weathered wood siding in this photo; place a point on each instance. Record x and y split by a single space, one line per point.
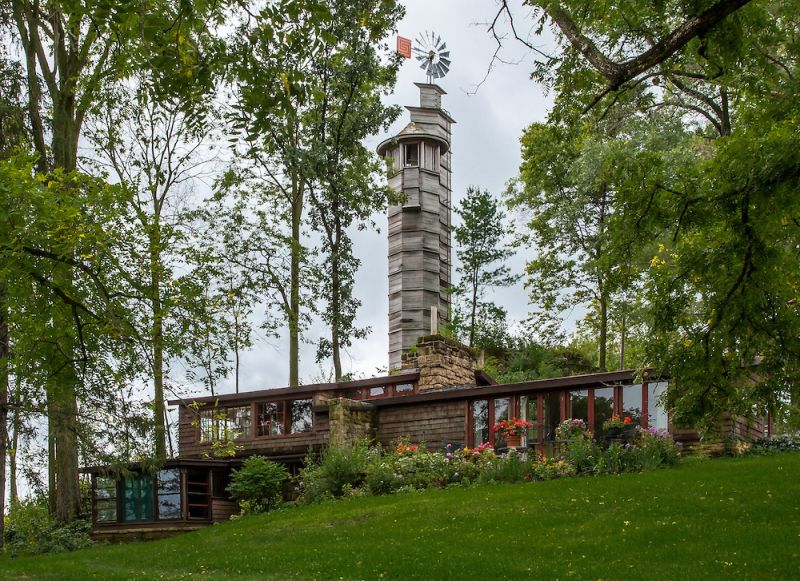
223 508
436 424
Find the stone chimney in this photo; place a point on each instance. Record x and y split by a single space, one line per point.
442 362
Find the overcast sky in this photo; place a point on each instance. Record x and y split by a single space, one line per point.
489 121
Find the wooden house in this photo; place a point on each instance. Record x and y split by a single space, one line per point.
437 398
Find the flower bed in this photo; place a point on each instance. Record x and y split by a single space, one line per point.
369 470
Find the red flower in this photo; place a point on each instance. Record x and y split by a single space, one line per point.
627 420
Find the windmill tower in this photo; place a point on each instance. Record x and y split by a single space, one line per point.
419 227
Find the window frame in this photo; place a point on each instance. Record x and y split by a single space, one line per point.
247 434
406 163
286 416
513 412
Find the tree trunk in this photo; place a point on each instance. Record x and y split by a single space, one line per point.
603 327
474 309
63 380
5 352
622 341
16 427
335 306
294 283
158 340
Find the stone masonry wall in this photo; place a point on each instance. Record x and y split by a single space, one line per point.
350 420
442 362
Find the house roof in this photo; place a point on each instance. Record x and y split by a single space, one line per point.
468 391
484 386
408 375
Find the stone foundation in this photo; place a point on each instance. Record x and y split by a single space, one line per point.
442 362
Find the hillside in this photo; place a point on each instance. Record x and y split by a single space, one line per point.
703 520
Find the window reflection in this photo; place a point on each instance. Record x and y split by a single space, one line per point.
579 405
603 407
632 403
302 417
656 410
480 421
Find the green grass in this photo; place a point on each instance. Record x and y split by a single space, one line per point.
730 518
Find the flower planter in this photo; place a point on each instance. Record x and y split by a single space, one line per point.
513 441
614 433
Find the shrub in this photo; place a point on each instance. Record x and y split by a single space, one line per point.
258 484
582 453
509 468
550 468
612 459
31 529
338 470
784 443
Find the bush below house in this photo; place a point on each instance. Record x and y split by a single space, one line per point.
258 484
369 470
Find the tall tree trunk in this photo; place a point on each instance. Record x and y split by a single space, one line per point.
336 288
5 353
622 340
474 309
603 327
158 340
294 283
16 428
63 381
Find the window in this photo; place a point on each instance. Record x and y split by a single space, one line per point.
551 415
656 412
225 423
412 154
502 411
168 492
377 391
603 407
485 414
430 157
352 394
270 419
302 416
480 422
276 418
529 408
632 402
402 388
137 498
579 405
105 499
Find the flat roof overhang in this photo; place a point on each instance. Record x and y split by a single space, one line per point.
540 385
283 392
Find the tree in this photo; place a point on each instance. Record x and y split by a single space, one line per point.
345 188
12 135
71 51
306 94
716 204
480 248
154 148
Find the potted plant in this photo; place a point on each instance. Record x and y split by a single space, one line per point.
616 426
512 430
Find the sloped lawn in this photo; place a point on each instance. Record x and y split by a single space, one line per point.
730 518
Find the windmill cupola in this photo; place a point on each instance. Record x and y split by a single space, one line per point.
419 226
